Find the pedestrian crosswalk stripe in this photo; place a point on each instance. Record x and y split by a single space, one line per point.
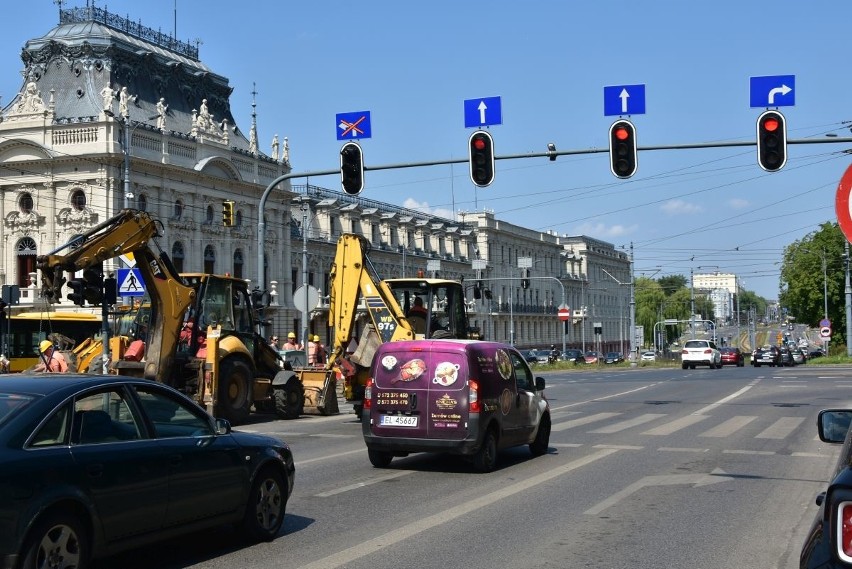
629 423
781 428
582 421
676 425
729 427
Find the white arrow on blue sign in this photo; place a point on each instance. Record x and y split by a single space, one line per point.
482 112
772 91
624 100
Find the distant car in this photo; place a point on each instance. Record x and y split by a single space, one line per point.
827 543
531 356
767 355
798 356
613 358
591 357
816 353
542 356
786 357
700 353
575 356
732 356
649 356
91 460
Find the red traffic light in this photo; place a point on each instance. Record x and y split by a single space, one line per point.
621 133
770 124
479 143
771 141
481 158
623 153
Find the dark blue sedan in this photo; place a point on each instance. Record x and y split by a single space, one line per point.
93 465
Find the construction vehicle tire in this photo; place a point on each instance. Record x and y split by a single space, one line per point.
289 399
234 396
96 366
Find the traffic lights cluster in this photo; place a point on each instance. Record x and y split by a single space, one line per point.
771 141
352 168
623 156
481 158
525 279
93 288
228 213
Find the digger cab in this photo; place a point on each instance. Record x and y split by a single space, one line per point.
435 308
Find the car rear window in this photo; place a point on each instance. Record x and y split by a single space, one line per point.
11 402
696 344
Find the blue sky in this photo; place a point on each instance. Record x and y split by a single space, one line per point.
412 65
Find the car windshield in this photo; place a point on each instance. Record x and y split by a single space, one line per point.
11 402
695 344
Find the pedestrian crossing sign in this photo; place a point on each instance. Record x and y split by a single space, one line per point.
130 282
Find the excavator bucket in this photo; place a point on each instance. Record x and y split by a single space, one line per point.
320 391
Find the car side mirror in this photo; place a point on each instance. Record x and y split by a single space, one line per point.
833 424
223 427
539 384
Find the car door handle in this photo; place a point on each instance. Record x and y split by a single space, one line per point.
175 459
95 470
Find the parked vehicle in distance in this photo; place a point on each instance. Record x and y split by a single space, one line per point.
767 355
649 356
700 353
591 357
466 398
575 356
732 356
827 545
100 458
613 358
798 356
542 357
816 353
530 356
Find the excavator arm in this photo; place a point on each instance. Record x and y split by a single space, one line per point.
353 277
128 232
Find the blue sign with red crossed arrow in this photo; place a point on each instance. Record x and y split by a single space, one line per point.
353 125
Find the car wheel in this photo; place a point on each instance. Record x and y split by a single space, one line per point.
234 396
57 540
542 438
266 506
289 399
379 458
485 459
683 366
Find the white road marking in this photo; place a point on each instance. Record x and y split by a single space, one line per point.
383 541
781 428
629 423
729 427
724 400
369 482
676 425
582 421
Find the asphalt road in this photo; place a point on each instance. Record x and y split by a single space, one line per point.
646 469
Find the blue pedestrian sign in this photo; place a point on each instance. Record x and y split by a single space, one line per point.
130 282
773 91
624 100
353 125
482 112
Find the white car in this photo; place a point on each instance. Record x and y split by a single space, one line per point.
700 353
649 357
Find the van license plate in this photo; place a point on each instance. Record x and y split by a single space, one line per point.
398 421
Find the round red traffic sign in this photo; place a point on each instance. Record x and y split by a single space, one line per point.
564 314
825 332
841 203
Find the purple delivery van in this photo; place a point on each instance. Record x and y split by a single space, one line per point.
463 397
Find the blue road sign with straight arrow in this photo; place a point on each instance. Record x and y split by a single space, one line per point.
482 112
624 100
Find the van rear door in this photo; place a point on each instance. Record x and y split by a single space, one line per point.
421 391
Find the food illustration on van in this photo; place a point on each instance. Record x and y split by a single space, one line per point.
389 362
446 373
506 401
504 364
411 370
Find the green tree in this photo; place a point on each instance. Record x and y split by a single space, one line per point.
813 279
649 296
672 283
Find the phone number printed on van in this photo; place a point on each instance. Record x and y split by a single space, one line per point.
398 421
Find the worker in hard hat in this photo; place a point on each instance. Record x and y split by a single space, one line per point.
291 343
51 360
321 355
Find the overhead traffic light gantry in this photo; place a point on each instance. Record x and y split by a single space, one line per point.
481 158
623 157
228 213
771 141
352 168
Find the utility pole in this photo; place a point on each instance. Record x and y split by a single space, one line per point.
848 301
634 349
691 304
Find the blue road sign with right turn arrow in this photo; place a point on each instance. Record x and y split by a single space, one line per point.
772 91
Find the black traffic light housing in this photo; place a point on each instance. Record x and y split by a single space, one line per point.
525 281
352 168
481 158
623 156
77 286
771 141
94 289
110 291
228 213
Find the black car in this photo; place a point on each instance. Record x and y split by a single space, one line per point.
93 465
613 358
786 357
767 355
574 356
827 544
531 356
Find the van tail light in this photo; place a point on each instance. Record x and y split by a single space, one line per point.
473 396
844 531
368 394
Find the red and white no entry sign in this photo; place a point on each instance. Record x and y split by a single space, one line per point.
564 314
841 204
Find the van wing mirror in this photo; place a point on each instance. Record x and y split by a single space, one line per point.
539 384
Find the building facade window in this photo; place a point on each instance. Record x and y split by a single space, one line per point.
177 256
26 257
142 202
78 200
25 203
208 219
178 209
238 264
209 260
